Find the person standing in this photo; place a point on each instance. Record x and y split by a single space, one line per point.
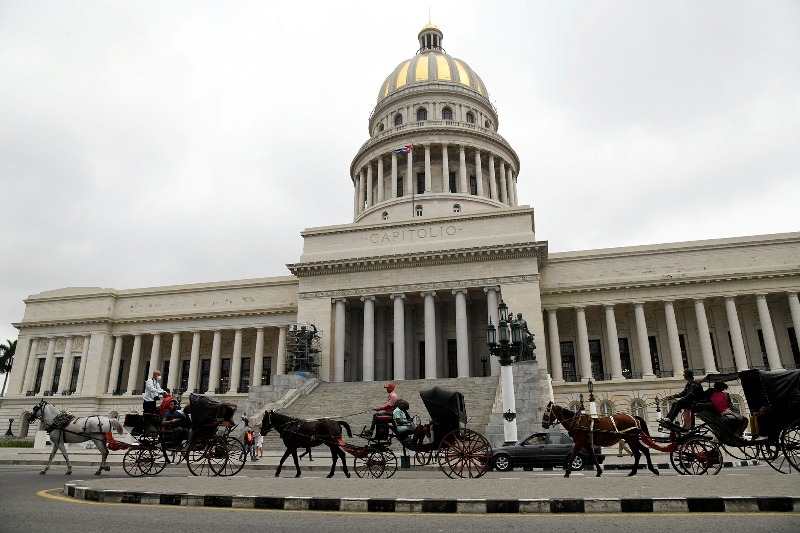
152 390
249 440
259 445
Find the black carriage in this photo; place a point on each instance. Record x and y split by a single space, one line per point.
210 451
459 451
773 398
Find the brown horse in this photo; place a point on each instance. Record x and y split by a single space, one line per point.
602 431
297 433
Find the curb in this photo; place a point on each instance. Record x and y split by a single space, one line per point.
735 504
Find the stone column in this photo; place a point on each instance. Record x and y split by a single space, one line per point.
30 367
491 312
399 334
705 336
258 358
155 353
49 362
794 309
370 201
462 333
355 197
410 342
194 363
512 196
462 171
82 369
773 356
216 358
338 339
133 370
115 360
613 343
381 196
280 363
63 377
173 380
583 344
739 355
645 360
478 172
430 334
394 176
503 190
408 183
361 192
555 346
446 171
674 340
236 363
428 179
381 370
368 352
492 182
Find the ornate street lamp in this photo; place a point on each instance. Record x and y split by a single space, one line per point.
9 433
508 342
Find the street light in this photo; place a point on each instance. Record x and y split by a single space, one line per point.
511 347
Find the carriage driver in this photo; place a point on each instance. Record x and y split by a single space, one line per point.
387 408
691 393
176 422
152 390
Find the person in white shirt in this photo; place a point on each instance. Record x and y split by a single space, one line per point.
152 390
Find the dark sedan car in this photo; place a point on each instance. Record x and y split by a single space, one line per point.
540 450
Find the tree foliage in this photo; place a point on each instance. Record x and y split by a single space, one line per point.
7 352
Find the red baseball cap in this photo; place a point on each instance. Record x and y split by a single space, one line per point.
388 385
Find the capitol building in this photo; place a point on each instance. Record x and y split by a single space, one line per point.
439 237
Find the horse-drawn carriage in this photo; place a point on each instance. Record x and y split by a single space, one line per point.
460 452
209 451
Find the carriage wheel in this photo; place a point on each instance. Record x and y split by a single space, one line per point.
236 457
771 454
423 458
136 461
389 463
207 456
464 453
699 456
158 462
371 465
675 461
790 444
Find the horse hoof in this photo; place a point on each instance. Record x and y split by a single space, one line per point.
43 472
656 472
97 473
347 474
277 474
107 468
329 476
598 474
633 473
297 474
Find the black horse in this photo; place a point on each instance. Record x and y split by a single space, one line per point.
297 433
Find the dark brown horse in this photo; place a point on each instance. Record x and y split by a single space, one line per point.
297 433
602 431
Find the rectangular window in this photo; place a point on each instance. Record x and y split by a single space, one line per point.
205 372
473 185
37 385
596 357
763 347
625 358
73 378
452 358
165 372
452 182
244 379
420 182
225 376
651 340
399 186
266 372
57 374
568 369
185 365
684 355
422 360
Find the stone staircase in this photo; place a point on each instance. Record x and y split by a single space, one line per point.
353 403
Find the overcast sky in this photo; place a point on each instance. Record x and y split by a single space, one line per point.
161 143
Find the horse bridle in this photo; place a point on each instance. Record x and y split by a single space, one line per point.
38 411
549 415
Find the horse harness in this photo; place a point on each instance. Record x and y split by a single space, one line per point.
574 425
65 418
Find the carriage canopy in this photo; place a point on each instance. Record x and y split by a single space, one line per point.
444 406
206 410
764 389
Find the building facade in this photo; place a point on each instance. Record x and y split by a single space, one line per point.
439 237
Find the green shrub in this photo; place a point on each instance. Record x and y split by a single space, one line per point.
16 444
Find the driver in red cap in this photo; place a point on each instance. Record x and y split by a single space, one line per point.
386 408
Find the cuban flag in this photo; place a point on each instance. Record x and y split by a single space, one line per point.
403 150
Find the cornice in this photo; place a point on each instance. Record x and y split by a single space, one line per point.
422 258
477 283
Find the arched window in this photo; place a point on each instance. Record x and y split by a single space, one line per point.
398 119
419 210
447 114
380 128
575 407
487 124
470 117
737 404
456 208
385 215
638 408
422 114
606 408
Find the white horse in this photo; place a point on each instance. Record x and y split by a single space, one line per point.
92 428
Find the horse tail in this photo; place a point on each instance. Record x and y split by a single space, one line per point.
117 425
346 426
642 425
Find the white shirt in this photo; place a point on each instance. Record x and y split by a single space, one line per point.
152 390
260 440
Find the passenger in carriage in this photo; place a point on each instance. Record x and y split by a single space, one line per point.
176 422
405 424
722 404
165 402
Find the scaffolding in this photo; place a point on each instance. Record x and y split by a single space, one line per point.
303 348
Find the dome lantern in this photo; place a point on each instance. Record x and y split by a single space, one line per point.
430 38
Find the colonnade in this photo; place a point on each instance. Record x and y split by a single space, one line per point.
61 370
373 336
371 188
676 349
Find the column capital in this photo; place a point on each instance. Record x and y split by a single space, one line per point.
551 310
365 298
760 296
579 308
608 306
696 300
428 293
337 300
487 289
459 291
729 297
445 145
461 147
427 146
638 304
399 295
792 292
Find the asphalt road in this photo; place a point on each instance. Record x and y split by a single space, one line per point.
31 501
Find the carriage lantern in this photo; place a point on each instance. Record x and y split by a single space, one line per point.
592 403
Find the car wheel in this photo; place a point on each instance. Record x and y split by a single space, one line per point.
502 463
578 463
